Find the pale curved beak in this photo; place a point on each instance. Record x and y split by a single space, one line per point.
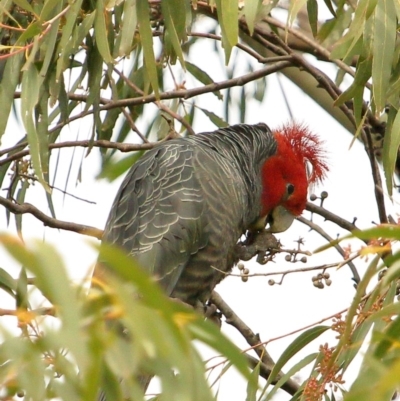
280 219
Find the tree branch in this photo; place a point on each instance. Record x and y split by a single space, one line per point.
324 234
101 143
253 340
327 215
50 221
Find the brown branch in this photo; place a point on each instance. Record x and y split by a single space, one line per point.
324 234
246 49
45 311
189 93
334 218
50 221
101 143
177 94
318 50
253 340
269 38
324 54
380 201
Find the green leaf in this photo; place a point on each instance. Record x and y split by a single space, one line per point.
390 338
299 343
202 76
146 37
242 105
25 5
290 373
252 384
363 73
112 170
128 269
218 121
50 44
7 283
67 32
50 9
251 8
228 18
22 290
209 333
100 31
294 8
312 9
391 143
389 231
129 25
346 44
8 84
20 199
33 30
385 25
330 7
31 84
174 18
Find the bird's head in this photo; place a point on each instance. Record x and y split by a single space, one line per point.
286 176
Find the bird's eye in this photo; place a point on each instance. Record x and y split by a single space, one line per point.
290 189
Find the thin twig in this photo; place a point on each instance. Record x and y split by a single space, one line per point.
379 196
45 311
50 221
101 143
327 215
324 234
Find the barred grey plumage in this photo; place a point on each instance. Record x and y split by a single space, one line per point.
183 206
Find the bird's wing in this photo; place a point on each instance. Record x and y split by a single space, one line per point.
159 213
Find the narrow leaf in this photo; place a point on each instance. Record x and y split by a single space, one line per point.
7 283
172 17
128 29
330 7
290 373
228 19
146 37
346 44
391 143
66 34
202 76
252 385
25 5
8 84
251 8
100 31
218 121
299 343
294 8
385 25
30 96
312 9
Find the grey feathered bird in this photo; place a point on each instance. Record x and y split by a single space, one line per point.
183 206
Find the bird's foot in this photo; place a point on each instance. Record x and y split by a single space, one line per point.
260 243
